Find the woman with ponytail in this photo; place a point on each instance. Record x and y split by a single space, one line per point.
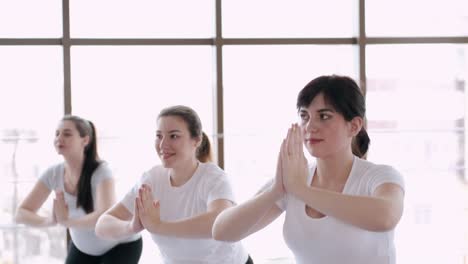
84 189
340 208
178 201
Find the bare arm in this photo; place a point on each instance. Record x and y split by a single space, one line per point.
378 213
105 198
240 221
27 211
115 223
199 226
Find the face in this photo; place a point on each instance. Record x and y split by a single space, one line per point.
174 144
68 141
326 132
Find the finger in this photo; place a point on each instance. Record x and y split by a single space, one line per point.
294 139
156 204
140 206
289 143
136 209
299 140
141 193
283 151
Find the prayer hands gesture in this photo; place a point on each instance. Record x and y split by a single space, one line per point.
147 211
293 162
60 208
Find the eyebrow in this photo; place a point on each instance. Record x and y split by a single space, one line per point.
171 131
320 110
326 110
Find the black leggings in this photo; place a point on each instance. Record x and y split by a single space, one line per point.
126 253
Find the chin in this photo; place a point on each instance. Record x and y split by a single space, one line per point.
167 165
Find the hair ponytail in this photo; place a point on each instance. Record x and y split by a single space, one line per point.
204 153
360 143
90 163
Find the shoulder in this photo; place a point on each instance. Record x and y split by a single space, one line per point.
154 175
375 169
52 176
53 170
377 174
103 168
211 168
212 172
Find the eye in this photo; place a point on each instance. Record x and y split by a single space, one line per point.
304 116
174 136
158 136
324 116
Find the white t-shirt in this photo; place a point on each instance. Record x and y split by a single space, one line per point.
328 240
207 184
85 239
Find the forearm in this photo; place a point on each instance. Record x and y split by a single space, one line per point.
27 217
366 212
237 222
111 227
87 221
196 227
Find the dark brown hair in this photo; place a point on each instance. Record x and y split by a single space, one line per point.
191 118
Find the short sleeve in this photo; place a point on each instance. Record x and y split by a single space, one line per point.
385 174
102 172
221 189
281 203
129 199
48 178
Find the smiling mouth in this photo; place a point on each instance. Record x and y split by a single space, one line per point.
166 155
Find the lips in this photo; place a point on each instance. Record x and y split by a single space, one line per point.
313 140
166 155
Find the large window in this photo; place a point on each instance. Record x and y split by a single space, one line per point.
239 64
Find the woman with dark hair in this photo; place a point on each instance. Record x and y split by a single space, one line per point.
178 201
84 189
339 209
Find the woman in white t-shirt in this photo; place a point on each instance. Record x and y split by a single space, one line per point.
341 208
178 201
84 189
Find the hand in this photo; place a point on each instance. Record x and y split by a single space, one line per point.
148 209
60 209
293 161
278 187
136 225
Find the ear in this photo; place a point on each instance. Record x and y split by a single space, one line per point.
198 141
85 141
355 125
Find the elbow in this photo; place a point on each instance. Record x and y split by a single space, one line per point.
100 228
220 232
386 223
18 218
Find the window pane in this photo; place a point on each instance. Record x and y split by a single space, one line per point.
260 98
416 112
141 19
294 18
30 19
417 18
31 104
122 90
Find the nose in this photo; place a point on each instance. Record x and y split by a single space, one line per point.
161 143
311 126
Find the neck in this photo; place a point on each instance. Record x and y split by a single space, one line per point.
182 174
335 168
74 165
